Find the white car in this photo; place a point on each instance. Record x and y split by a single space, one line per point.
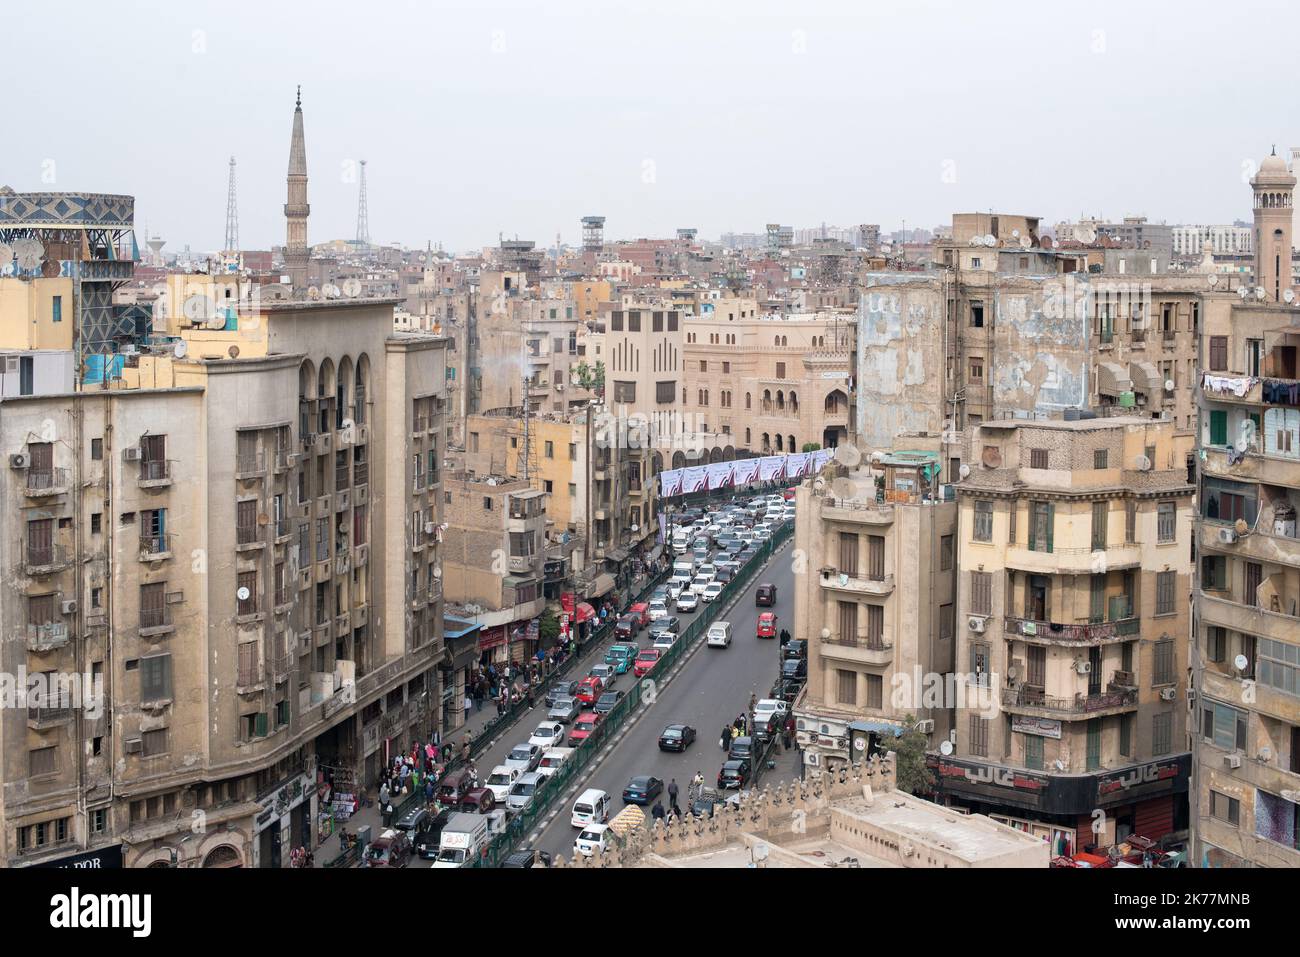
665 640
707 570
711 591
698 584
746 535
677 584
719 634
764 708
548 734
501 780
687 601
658 609
594 837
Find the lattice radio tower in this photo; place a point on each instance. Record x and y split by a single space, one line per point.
232 213
363 215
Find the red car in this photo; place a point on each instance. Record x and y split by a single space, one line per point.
645 662
767 625
589 689
583 727
641 613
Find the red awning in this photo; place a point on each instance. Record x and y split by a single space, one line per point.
491 637
585 612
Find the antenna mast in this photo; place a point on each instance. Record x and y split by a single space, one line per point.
232 213
363 215
527 466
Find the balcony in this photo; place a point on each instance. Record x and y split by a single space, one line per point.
249 537
44 560
419 597
342 563
1052 633
282 530
155 622
45 483
1271 469
360 473
419 425
1032 701
522 563
155 548
283 600
249 681
1258 545
250 466
1074 561
1233 615
342 477
47 637
282 460
47 717
863 651
155 473
360 554
835 580
342 625
857 512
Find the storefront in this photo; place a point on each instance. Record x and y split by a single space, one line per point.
492 645
104 858
283 820
455 674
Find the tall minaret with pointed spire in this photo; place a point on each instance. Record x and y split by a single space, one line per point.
296 209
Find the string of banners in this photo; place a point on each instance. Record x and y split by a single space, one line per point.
769 468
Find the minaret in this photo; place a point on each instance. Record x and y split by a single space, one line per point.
296 209
1274 187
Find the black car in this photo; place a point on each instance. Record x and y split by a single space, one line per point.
765 597
742 748
428 833
527 858
560 689
411 820
769 729
734 774
606 702
676 737
787 691
642 789
794 669
795 648
724 575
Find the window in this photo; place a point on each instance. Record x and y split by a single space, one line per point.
1224 808
1216 643
1099 458
780 370
876 558
946 620
848 620
625 392
1165 521
983 522
1042 517
246 606
977 370
981 593
1224 725
1161 733
979 662
846 686
1038 458
979 736
1165 592
99 820
1011 523
1126 735
1218 353
875 691
153 607
977 314
1100 511
96 449
573 490
154 742
875 625
1093 745
1279 666
547 486
155 678
848 564
550 449
487 504
573 451
42 761
1130 521
945 553
1033 751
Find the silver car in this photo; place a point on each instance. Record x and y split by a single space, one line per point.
565 710
524 756
524 790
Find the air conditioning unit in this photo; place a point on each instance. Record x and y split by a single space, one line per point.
926 726
133 745
1168 694
430 528
68 607
1227 536
975 624
1083 667
19 461
559 387
1232 760
132 454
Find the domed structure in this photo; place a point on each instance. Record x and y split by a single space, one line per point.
1274 188
1274 164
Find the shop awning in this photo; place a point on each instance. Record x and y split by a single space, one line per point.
654 553
880 727
1112 379
1146 378
603 585
585 612
616 555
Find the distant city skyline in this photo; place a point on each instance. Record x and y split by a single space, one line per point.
480 119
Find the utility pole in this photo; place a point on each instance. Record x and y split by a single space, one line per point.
232 214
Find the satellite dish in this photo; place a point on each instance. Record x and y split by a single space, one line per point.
1243 292
6 256
1015 234
1259 292
964 471
180 349
29 253
1058 764
1289 295
848 455
352 287
989 239
976 241
844 488
1056 244
1169 385
1025 242
1240 662
945 748
242 593
1213 280
313 292
233 352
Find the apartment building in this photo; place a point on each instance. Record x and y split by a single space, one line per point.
1246 649
224 514
875 601
493 553
1072 625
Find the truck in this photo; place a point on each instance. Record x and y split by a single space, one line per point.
462 841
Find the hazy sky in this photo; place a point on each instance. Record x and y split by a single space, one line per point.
483 117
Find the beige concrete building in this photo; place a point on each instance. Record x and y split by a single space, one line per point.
875 601
1073 615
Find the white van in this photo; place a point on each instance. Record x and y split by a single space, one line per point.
463 837
684 568
592 807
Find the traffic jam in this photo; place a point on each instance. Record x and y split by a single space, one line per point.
709 546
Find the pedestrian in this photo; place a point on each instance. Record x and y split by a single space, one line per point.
383 794
724 741
469 703
478 698
658 811
388 815
753 700
428 789
672 797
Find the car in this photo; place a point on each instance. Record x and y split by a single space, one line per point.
548 734
478 801
428 833
411 820
725 575
793 669
746 536
765 596
676 737
688 601
794 648
589 689
762 534
646 661
584 725
767 727
564 710
709 799
664 640
700 554
742 748
659 607
676 586
640 612
786 690
707 570
642 789
625 627
501 780
608 701
770 706
620 658
527 858
524 791
390 849
734 774
671 623
607 674
766 625
560 689
553 759
712 591
660 593
719 635
524 756
592 838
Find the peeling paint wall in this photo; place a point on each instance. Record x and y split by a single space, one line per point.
1041 345
900 359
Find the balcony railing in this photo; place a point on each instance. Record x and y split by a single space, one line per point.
282 459
419 424
360 473
250 464
155 470
36 714
52 481
283 597
342 477
1030 697
40 559
867 643
1052 631
248 534
1168 334
153 546
155 618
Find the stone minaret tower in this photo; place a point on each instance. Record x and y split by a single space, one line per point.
296 209
1274 187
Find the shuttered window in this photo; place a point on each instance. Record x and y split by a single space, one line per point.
1166 517
248 664
1036 658
1038 458
848 553
156 678
848 620
946 553
1042 518
1161 734
1163 663
875 691
846 691
876 557
983 531
1033 751
247 606
981 593
875 624
1130 521
979 736
153 605
1100 513
1165 593
1218 353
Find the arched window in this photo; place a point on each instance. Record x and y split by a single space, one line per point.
779 447
780 400
794 402
748 404
747 437
790 443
